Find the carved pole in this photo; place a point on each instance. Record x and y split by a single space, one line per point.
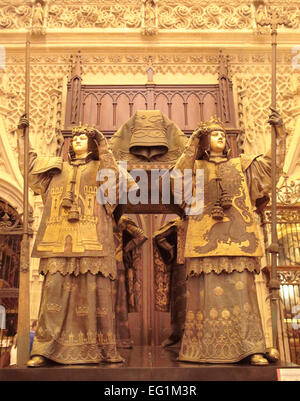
75 90
224 81
23 330
273 20
273 249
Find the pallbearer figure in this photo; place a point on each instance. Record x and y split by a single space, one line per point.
75 244
128 287
222 249
170 269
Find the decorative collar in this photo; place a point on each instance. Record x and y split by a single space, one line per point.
81 161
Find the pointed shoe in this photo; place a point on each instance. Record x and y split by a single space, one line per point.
37 361
258 360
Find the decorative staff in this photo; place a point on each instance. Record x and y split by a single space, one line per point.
24 304
273 19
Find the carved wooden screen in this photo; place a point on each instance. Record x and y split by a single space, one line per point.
107 107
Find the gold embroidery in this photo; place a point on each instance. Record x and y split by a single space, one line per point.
226 328
213 313
67 286
100 338
225 314
216 337
82 310
71 338
105 265
58 228
162 283
53 307
101 312
80 337
236 310
199 316
239 285
190 316
73 354
218 291
40 331
91 337
237 234
109 338
196 266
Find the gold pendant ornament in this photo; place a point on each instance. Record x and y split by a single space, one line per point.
73 215
217 211
225 200
68 200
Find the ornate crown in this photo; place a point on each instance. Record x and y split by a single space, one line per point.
213 124
82 129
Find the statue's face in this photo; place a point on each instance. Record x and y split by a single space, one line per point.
217 141
80 144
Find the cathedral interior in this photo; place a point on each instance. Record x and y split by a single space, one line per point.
104 64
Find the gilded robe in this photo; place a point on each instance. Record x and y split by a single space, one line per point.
76 322
223 323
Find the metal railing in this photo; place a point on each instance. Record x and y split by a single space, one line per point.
10 245
288 271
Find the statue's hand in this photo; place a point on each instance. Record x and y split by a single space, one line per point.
171 255
126 257
23 122
198 132
97 136
59 142
59 138
202 130
275 118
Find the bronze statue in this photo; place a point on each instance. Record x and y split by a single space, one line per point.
74 242
127 288
222 249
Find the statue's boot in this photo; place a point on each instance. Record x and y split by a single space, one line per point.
258 360
272 355
37 361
